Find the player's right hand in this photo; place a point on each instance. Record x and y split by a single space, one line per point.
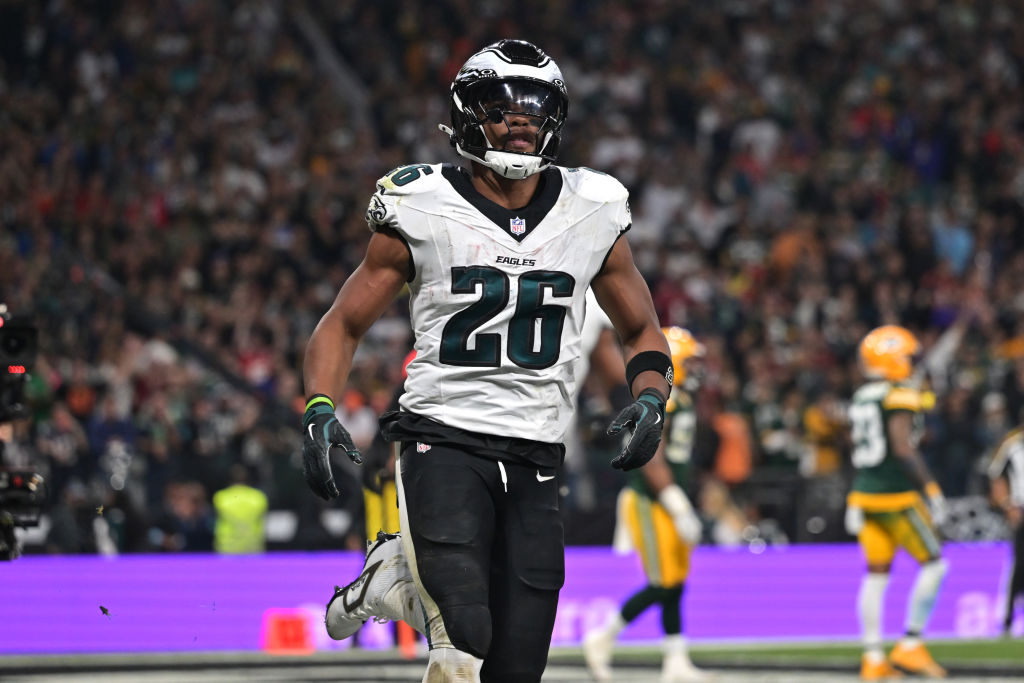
938 508
689 528
853 520
684 517
321 431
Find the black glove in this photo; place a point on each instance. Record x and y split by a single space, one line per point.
321 431
645 417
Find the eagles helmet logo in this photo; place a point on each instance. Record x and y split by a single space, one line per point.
468 73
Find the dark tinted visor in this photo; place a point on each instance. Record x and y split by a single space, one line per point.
521 97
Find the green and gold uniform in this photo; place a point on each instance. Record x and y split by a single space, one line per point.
665 556
895 514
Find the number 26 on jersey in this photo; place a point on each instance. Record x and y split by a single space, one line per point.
534 333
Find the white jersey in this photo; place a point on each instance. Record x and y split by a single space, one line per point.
497 296
1008 461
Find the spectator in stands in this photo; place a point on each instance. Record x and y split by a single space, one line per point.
185 173
186 523
71 526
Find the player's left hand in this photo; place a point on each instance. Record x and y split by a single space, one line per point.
645 418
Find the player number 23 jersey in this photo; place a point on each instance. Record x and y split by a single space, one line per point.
497 296
878 470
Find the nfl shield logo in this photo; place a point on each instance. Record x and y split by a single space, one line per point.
517 226
422 447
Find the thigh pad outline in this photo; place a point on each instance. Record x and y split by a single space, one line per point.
538 546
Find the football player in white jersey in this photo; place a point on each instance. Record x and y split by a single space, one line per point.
497 261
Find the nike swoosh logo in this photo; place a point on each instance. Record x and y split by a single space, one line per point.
542 478
311 432
657 419
355 593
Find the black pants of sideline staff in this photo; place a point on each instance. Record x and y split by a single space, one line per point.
1016 586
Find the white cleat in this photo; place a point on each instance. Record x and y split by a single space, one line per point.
365 598
597 651
677 668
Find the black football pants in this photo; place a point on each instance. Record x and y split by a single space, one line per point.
488 546
1016 586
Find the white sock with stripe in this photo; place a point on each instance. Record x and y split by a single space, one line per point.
922 596
869 609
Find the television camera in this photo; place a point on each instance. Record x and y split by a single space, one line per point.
21 489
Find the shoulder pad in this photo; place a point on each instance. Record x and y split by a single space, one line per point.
872 391
594 185
396 184
902 398
410 179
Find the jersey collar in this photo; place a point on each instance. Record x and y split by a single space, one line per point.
516 223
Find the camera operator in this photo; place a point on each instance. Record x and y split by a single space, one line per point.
21 490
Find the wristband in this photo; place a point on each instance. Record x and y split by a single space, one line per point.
317 404
649 360
932 490
319 398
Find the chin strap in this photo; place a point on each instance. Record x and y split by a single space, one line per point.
513 166
506 164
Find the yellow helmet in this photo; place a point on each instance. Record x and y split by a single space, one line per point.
682 346
887 352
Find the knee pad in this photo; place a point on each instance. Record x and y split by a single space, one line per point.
469 628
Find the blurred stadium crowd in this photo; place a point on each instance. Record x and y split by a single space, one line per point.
182 187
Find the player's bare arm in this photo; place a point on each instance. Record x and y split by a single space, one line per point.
658 476
624 296
361 300
901 437
657 473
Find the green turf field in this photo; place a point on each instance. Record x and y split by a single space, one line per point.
989 652
1002 650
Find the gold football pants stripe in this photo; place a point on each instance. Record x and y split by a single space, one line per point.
381 510
911 529
665 557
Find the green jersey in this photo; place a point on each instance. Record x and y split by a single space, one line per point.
680 429
879 470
